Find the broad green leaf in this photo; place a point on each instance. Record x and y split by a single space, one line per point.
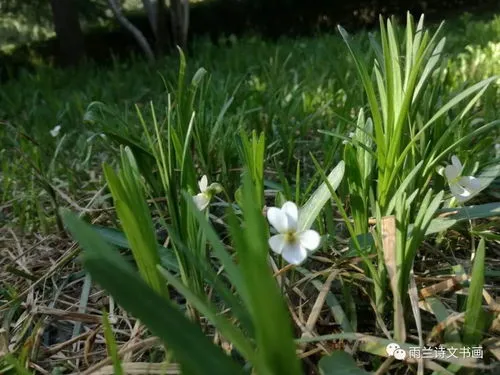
196 353
118 239
145 160
272 323
488 175
14 364
440 311
474 322
440 224
135 217
403 187
370 92
223 325
311 209
429 68
219 283
456 215
365 242
339 363
233 270
378 345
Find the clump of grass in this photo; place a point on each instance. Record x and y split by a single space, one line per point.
210 290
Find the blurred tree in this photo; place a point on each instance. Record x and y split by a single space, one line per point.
168 21
156 11
68 31
179 13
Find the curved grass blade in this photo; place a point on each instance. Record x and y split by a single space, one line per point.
272 323
339 363
196 353
481 211
117 238
474 317
311 209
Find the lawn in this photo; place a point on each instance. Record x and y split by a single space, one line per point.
106 254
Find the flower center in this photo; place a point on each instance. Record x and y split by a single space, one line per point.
290 237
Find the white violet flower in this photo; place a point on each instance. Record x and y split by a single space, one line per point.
291 244
203 198
55 132
351 136
462 187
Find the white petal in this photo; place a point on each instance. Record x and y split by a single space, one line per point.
278 219
470 183
310 239
55 132
201 200
277 243
294 253
459 192
292 212
451 172
456 163
203 183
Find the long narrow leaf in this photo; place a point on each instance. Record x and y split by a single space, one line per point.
162 317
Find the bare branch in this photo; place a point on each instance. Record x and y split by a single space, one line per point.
115 7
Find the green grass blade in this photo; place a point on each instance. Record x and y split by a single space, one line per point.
339 363
117 238
311 209
370 91
161 316
223 325
111 345
233 270
474 317
481 211
271 320
135 218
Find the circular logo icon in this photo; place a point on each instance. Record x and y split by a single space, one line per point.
399 354
391 348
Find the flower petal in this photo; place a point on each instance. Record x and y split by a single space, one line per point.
201 200
456 163
294 253
451 172
459 192
470 183
277 243
292 212
203 183
310 239
278 219
55 132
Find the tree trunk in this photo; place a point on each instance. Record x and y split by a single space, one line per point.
68 31
162 33
157 15
179 13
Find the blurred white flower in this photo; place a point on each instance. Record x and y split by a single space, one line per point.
462 187
291 244
55 132
351 135
203 198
